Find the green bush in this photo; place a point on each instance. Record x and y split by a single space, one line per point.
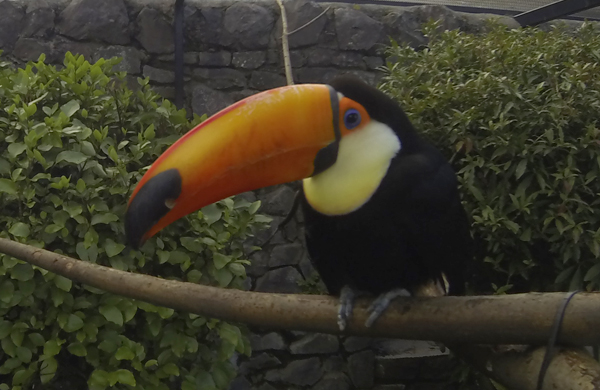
75 143
517 112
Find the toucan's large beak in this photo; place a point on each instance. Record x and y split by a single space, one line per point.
274 137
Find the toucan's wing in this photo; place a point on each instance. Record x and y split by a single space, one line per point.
431 216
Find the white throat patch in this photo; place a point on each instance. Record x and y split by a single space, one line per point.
363 159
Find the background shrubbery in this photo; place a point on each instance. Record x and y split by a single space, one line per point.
517 111
75 141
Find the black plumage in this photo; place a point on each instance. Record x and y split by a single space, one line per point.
409 232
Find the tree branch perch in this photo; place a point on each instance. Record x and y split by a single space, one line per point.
505 319
456 321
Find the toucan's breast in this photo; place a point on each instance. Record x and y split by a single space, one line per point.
363 160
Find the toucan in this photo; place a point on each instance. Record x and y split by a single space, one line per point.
381 205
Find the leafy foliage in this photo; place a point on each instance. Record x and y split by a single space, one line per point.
75 142
517 112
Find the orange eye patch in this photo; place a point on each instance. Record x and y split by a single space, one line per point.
353 116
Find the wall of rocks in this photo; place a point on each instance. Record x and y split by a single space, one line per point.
232 50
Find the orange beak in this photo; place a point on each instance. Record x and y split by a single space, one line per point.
274 137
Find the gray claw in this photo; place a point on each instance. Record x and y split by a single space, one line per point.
347 297
382 302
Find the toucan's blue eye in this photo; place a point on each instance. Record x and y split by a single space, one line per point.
351 118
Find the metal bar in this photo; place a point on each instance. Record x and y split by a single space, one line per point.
464 7
553 11
457 8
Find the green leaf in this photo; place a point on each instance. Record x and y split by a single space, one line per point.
52 347
7 290
50 110
163 256
112 153
194 276
254 207
191 244
220 377
170 369
63 283
9 347
149 132
154 327
104 218
88 149
178 257
221 260
48 369
237 269
165 312
5 328
74 323
70 108
150 363
77 349
71 156
230 333
52 228
212 213
592 273
16 149
125 377
112 248
73 209
24 354
5 167
8 186
112 314
80 186
19 229
124 353
99 379
21 376
22 272
107 345
10 364
576 280
521 168
223 277
38 156
36 339
205 381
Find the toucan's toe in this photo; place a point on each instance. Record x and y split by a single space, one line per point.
382 302
347 297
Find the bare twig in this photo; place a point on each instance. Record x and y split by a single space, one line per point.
285 45
309 22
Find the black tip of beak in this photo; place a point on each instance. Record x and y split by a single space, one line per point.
150 204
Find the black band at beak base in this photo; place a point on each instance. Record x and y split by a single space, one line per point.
150 204
327 156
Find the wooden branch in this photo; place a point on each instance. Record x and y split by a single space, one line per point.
502 319
519 318
285 45
571 368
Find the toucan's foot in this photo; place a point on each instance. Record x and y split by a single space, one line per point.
382 302
347 296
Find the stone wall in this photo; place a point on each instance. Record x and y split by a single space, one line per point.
232 50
